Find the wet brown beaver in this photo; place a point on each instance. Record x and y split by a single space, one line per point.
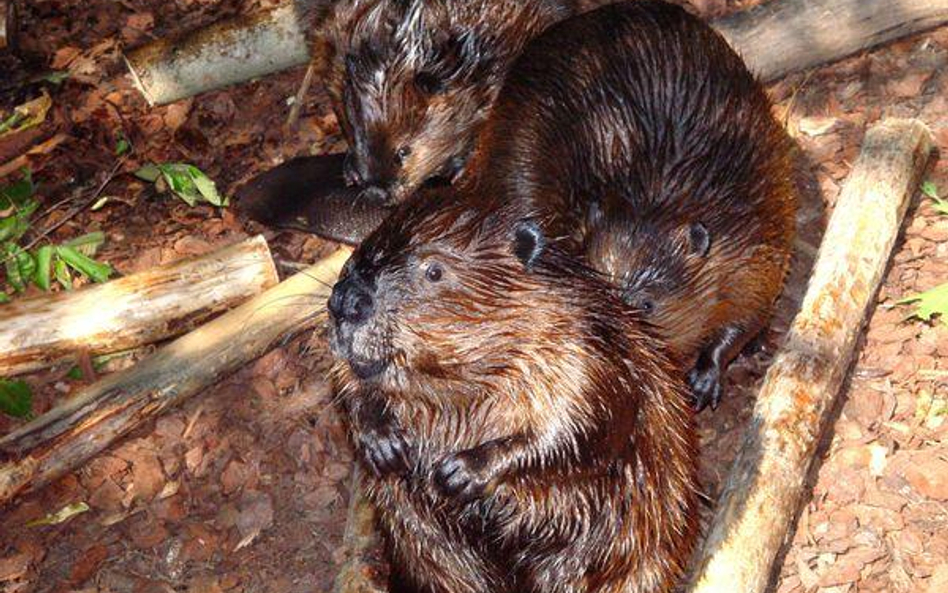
411 81
637 131
525 432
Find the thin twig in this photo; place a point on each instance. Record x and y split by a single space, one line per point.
297 106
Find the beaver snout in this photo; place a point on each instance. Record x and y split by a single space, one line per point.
369 174
351 302
353 338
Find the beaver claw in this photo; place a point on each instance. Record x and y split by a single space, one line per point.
705 387
384 450
462 476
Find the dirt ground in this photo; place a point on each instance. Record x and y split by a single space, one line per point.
244 488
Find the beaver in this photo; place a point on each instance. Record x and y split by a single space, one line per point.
640 135
523 428
412 80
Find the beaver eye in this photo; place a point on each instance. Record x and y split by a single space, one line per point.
637 301
434 273
402 153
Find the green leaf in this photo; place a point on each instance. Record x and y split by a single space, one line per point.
149 173
15 226
11 122
941 206
17 194
87 244
179 179
4 297
61 516
930 303
122 146
56 76
61 271
20 266
930 189
85 265
205 186
185 181
44 267
16 398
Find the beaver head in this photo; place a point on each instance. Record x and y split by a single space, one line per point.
411 81
439 292
660 267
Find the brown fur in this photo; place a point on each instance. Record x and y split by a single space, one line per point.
420 76
657 131
526 430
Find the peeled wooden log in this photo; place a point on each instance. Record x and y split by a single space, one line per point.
232 51
128 312
775 38
767 482
68 435
785 36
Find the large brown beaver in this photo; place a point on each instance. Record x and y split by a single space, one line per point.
411 81
636 130
524 429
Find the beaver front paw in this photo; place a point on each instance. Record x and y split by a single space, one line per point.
463 476
385 450
706 389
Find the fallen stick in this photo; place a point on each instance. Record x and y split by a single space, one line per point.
366 570
68 435
767 481
128 312
776 38
784 36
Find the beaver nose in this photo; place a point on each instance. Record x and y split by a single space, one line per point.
375 194
351 301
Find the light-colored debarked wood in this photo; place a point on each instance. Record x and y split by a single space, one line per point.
768 479
68 435
785 36
365 570
232 51
128 312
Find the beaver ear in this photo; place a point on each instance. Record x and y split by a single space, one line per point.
700 239
529 242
